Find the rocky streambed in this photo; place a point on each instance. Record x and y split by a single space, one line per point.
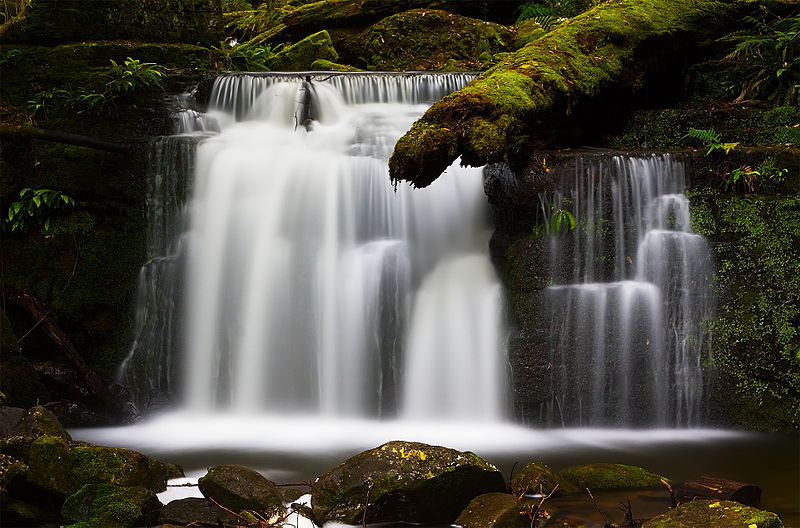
48 479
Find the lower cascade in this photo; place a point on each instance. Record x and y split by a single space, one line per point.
302 282
631 291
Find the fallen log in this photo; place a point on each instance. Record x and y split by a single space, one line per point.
90 379
714 488
57 136
527 99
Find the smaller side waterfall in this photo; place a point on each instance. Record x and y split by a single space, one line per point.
631 292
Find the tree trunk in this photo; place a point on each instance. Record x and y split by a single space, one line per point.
719 489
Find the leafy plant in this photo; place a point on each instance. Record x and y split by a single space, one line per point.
768 53
34 209
744 174
253 58
561 219
46 98
711 139
134 75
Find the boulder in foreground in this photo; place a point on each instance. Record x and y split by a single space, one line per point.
714 514
403 481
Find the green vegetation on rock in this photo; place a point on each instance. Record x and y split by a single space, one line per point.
548 77
756 346
300 56
403 481
611 476
109 506
538 477
425 39
497 510
714 514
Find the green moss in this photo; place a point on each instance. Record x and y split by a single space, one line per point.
300 56
188 21
611 476
569 65
122 467
326 65
714 514
426 39
108 506
49 460
757 336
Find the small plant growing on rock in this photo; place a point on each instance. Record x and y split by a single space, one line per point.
134 75
711 139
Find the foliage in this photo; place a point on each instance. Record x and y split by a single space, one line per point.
255 58
554 9
35 209
561 219
12 9
82 101
134 75
744 174
711 139
768 53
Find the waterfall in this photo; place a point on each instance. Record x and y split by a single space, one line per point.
631 291
312 286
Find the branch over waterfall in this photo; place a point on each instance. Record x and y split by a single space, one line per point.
538 96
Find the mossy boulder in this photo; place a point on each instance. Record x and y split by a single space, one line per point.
50 460
714 514
525 100
300 56
109 506
57 467
326 65
538 477
187 21
197 511
496 510
427 39
403 481
122 467
40 422
611 476
240 488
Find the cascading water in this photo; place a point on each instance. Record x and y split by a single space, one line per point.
312 286
631 291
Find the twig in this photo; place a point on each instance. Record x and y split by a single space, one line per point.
303 483
606 520
366 505
628 513
671 494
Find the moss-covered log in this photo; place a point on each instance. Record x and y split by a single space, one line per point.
525 99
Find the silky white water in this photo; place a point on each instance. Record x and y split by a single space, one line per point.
312 286
632 291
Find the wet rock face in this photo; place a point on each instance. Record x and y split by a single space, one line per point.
714 514
40 422
240 488
403 481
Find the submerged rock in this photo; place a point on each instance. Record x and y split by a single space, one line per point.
240 488
714 514
109 506
497 510
611 476
538 477
403 481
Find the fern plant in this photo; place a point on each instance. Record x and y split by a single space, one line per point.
768 53
711 139
133 75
